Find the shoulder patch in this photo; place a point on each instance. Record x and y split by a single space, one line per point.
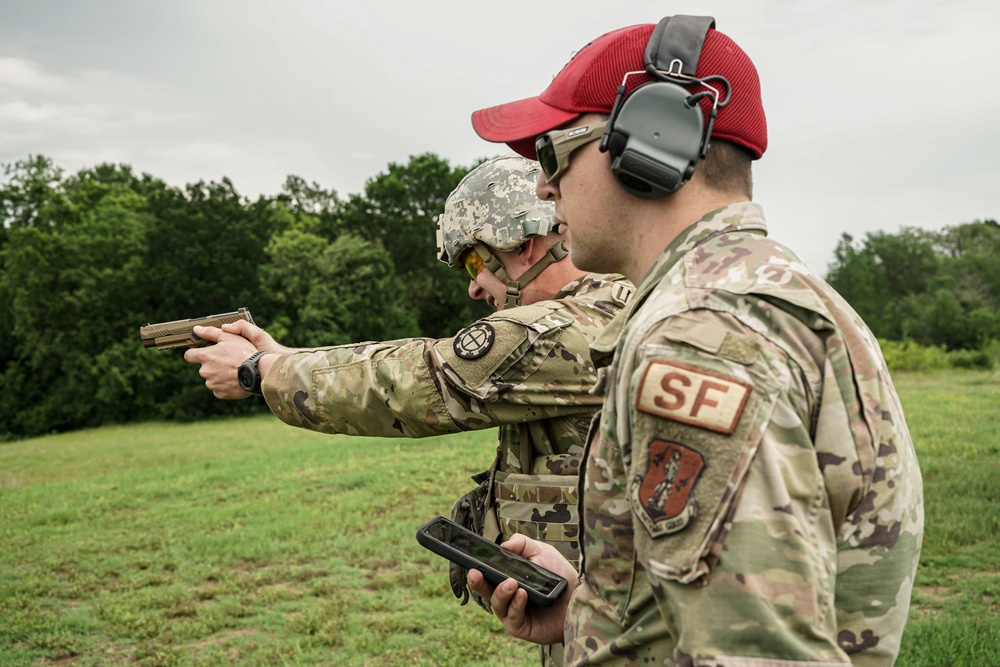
474 341
692 396
662 493
486 347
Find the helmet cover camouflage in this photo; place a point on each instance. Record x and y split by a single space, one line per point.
495 205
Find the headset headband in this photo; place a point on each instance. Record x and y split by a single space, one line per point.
677 39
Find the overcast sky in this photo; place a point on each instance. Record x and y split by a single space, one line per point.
881 113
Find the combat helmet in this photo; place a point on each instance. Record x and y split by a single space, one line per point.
495 206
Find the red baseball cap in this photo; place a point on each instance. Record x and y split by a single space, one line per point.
589 81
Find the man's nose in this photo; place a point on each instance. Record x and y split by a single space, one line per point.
544 190
475 291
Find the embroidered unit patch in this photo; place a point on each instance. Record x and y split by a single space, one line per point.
475 341
692 396
662 494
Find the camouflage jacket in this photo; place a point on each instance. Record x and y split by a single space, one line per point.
526 370
751 494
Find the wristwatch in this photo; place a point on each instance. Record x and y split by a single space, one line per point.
248 374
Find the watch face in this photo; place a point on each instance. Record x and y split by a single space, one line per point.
245 377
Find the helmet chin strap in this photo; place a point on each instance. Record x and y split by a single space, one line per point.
514 287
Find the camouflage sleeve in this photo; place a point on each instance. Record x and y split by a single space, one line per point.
522 365
733 522
372 389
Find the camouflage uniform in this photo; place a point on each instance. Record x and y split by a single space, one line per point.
526 370
751 496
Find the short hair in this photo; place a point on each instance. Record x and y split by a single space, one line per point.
727 168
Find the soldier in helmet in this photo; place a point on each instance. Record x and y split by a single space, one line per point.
477 224
525 369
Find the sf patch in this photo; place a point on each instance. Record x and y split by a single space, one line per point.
661 496
692 396
474 341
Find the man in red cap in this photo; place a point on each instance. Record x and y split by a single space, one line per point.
750 495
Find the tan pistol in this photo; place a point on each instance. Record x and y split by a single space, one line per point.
179 333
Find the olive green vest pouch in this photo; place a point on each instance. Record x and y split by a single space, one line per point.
543 507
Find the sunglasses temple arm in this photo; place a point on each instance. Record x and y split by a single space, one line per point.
619 95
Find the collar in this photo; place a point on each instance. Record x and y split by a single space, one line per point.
743 216
590 282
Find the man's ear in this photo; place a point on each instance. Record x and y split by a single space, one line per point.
532 250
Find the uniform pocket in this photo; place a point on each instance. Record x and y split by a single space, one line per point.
542 507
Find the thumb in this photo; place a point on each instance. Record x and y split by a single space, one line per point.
520 544
253 333
211 334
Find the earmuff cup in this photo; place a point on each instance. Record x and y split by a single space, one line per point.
656 140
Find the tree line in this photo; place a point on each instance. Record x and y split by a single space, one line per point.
87 258
935 288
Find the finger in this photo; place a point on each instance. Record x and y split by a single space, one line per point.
251 332
211 334
542 553
527 547
479 585
501 598
239 327
517 543
517 610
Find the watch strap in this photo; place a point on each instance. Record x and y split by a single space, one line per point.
251 365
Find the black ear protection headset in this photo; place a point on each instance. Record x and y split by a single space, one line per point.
656 134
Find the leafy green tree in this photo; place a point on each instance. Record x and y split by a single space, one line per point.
332 293
946 322
30 198
885 269
205 245
72 294
971 255
984 325
32 194
84 261
978 237
399 210
937 288
315 207
850 274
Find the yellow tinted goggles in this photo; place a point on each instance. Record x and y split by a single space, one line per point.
473 262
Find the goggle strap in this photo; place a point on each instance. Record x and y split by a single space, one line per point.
514 287
555 253
513 296
494 266
490 262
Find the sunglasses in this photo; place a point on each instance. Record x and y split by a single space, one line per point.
472 262
555 147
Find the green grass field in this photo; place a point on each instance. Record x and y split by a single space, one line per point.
250 542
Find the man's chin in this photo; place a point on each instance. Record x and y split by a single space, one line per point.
586 262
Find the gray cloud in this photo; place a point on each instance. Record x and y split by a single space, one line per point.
881 113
